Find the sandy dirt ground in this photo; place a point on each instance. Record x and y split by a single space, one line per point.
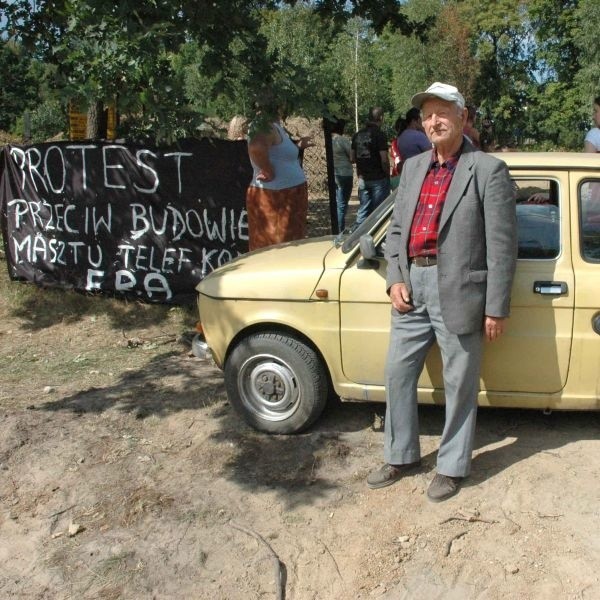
124 473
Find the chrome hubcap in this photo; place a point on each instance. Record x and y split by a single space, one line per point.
269 387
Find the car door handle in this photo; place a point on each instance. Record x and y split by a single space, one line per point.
551 288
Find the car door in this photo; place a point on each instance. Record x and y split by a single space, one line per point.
584 381
534 354
364 321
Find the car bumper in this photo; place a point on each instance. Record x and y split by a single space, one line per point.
200 349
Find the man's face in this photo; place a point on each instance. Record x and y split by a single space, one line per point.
443 122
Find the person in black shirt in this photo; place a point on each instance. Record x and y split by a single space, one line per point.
370 153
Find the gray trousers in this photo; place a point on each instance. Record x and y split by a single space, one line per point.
411 336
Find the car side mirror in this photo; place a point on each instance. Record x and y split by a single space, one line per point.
368 252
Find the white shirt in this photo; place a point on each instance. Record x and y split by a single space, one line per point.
593 137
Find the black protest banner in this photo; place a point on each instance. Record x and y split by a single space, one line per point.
117 218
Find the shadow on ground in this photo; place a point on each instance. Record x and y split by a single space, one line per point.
39 308
292 465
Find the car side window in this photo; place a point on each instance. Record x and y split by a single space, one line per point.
589 219
538 218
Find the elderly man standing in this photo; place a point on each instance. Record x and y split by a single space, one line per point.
451 250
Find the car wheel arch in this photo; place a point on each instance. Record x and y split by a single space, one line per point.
277 328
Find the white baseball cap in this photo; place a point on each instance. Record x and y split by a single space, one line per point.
439 90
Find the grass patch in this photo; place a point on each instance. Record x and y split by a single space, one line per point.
51 338
39 308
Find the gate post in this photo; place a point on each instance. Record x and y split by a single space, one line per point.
335 227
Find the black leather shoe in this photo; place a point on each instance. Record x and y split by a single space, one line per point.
389 474
443 487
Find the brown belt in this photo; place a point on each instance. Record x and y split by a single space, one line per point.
423 261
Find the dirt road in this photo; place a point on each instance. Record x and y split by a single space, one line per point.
124 473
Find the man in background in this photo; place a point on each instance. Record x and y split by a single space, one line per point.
370 154
412 140
469 129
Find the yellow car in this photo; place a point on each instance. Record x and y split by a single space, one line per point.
291 323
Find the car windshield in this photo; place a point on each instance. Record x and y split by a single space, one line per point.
349 237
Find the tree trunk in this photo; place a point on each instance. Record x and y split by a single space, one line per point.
356 82
94 118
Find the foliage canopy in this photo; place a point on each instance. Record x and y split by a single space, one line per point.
530 66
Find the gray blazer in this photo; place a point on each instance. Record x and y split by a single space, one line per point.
477 239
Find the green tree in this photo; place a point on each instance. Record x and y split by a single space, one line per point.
378 13
46 120
298 46
585 34
19 87
125 50
502 43
555 117
552 23
362 72
169 64
530 65
451 54
554 107
440 51
224 93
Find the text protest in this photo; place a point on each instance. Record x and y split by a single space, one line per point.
123 219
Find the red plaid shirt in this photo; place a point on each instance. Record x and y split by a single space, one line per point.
426 220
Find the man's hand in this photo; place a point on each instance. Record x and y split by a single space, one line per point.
265 175
305 142
400 298
493 327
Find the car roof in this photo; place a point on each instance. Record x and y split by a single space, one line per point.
555 160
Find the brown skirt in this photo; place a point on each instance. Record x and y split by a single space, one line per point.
276 216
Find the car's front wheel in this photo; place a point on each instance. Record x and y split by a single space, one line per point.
277 383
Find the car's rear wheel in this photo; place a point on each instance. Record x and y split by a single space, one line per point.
276 383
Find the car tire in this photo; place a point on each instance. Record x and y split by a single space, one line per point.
276 383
